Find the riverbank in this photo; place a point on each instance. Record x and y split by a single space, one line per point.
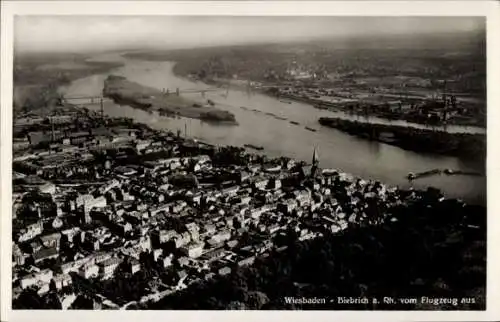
352 105
371 111
464 145
125 92
453 125
37 79
250 149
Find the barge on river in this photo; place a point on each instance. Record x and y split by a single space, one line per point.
412 176
255 147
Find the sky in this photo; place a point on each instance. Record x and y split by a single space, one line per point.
82 33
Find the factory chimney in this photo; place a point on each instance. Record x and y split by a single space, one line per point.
102 109
52 130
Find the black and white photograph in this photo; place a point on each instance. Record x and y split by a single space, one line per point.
248 162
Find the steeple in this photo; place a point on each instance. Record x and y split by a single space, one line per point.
315 159
315 163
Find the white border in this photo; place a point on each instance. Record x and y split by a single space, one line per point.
490 9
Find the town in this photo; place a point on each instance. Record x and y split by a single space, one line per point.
98 201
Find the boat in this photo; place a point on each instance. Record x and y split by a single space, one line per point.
413 176
310 129
459 172
294 122
210 102
281 118
255 147
286 102
270 114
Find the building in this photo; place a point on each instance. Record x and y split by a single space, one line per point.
193 250
272 168
89 270
222 236
191 227
44 276
230 191
134 265
57 222
82 199
274 184
246 261
257 212
183 239
144 243
31 231
43 287
183 261
303 197
195 197
48 187
62 280
27 281
214 254
260 183
123 227
224 270
51 240
141 145
163 236
100 257
271 229
209 229
18 255
45 254
108 267
166 261
287 206
157 253
99 202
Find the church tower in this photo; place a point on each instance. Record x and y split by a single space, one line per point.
315 162
315 159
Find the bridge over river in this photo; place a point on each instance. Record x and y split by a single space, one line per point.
81 100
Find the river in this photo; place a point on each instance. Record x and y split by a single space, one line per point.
369 160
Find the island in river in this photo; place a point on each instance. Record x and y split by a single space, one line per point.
125 92
464 145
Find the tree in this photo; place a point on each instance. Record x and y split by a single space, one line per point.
82 302
236 305
29 299
52 286
256 300
52 301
